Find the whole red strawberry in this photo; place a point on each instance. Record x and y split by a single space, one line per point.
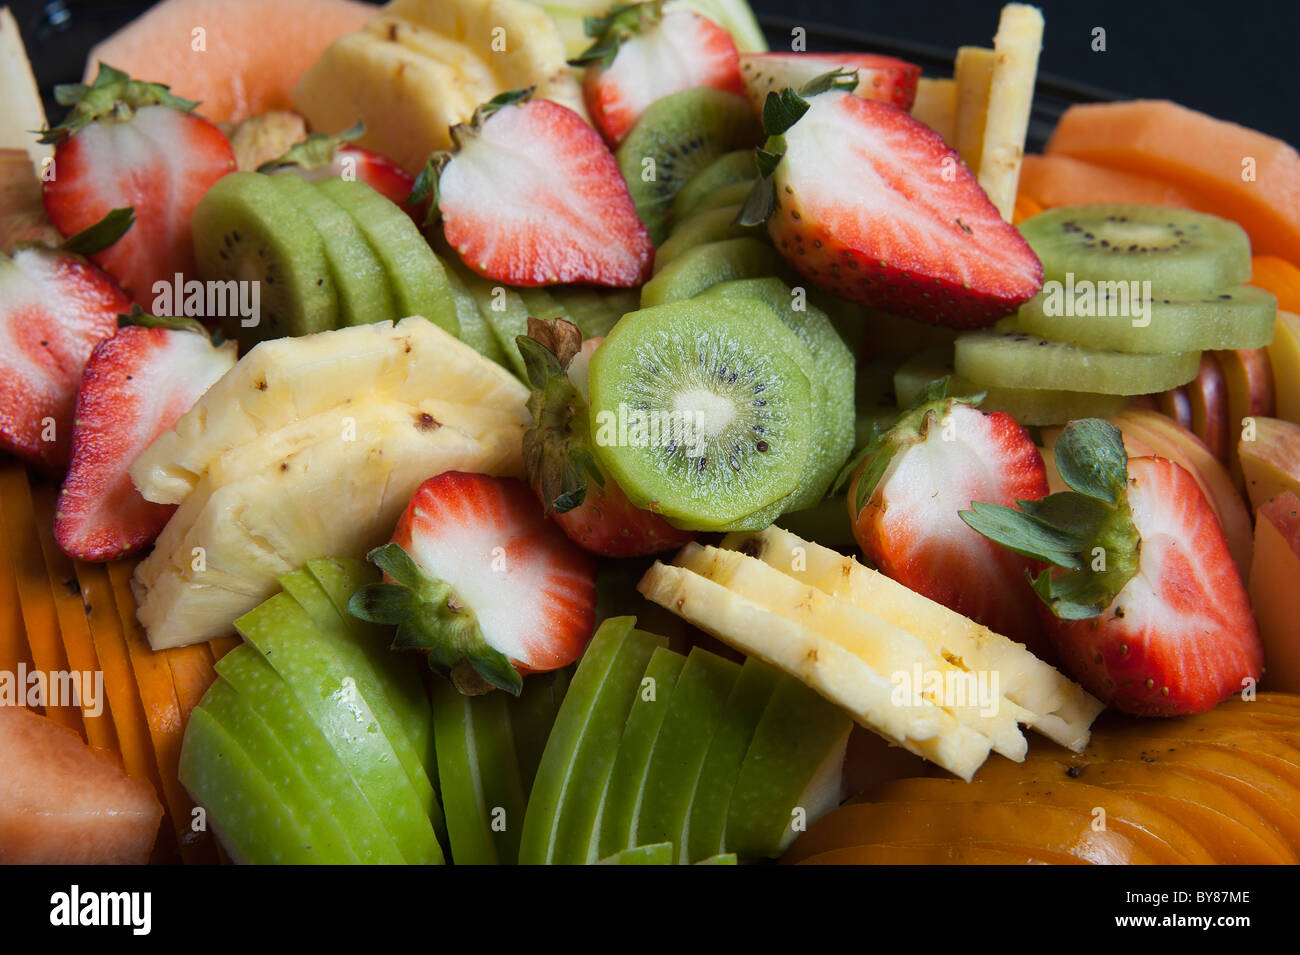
127 144
873 206
906 496
323 157
1146 606
584 500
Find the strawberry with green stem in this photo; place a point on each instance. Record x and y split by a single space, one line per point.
324 157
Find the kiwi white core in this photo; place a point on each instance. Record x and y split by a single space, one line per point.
710 413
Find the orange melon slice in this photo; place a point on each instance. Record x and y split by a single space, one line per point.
1228 170
1279 277
13 633
1063 181
237 57
63 802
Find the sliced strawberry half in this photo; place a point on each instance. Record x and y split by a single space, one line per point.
333 157
1147 608
478 577
131 144
872 205
136 384
642 54
906 497
883 78
533 197
54 308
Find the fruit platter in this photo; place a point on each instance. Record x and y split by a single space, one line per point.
486 432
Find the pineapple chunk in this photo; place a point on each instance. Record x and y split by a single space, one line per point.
1059 709
833 671
936 106
884 647
1010 96
286 380
974 73
22 113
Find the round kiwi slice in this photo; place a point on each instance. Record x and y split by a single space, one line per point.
700 410
1238 317
695 270
675 138
246 231
1004 357
1177 250
417 276
732 195
727 170
363 290
713 225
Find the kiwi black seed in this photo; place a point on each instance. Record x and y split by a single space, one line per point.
682 134
701 411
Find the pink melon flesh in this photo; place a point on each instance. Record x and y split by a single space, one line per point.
62 802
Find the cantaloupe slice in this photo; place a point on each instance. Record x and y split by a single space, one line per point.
13 633
238 57
63 802
1278 276
1227 169
1064 181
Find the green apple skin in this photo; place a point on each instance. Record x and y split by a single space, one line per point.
532 716
694 715
478 774
328 691
795 759
722 858
628 778
242 808
262 690
662 853
749 698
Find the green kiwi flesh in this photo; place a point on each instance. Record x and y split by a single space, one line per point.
703 266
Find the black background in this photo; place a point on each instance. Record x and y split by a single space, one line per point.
1238 61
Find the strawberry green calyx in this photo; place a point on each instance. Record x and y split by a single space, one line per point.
622 22
175 323
430 616
113 96
1088 531
557 451
314 152
98 237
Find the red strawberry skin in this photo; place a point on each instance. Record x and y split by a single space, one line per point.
607 523
535 198
875 207
682 51
160 162
911 530
378 172
883 78
54 308
136 384
531 588
1180 637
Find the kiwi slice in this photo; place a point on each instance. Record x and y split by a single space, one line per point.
504 313
700 410
829 366
727 170
246 231
695 270
362 285
713 225
417 276
1005 357
675 138
732 195
1238 317
1029 406
474 329
1177 250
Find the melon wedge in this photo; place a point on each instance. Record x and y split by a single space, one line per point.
1064 181
62 802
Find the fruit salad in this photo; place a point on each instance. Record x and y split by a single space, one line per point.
486 432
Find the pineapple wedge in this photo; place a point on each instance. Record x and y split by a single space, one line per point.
21 112
884 647
936 106
1059 708
333 497
973 72
288 380
826 666
1010 96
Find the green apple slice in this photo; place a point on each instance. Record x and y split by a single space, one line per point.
588 721
358 653
242 808
628 778
791 774
324 840
706 835
532 716
264 692
722 858
696 712
324 686
479 775
660 853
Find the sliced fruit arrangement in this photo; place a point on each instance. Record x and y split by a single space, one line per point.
311 446
1192 791
420 67
1148 610
650 747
